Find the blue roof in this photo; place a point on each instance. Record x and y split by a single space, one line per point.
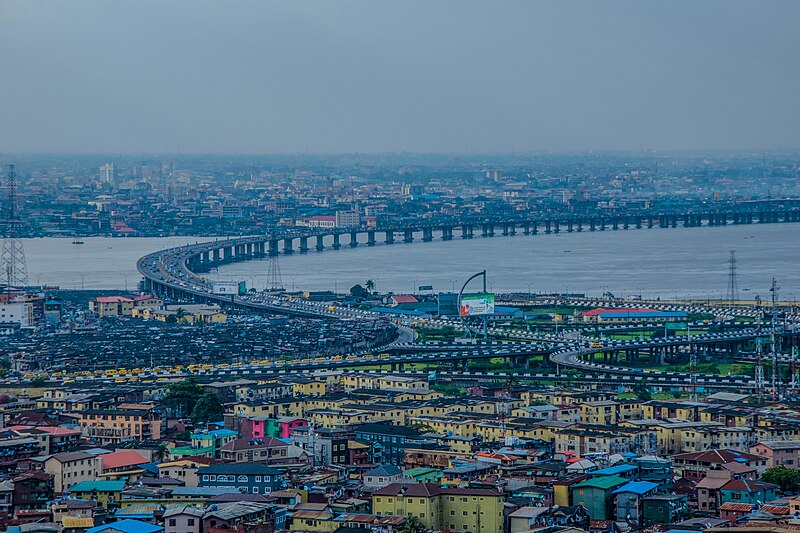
613 470
506 309
637 487
127 526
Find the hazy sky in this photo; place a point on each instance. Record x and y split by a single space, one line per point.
423 76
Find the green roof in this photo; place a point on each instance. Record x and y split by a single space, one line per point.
602 482
99 486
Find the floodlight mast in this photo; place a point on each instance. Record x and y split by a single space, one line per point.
484 332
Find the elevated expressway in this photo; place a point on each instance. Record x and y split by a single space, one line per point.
176 273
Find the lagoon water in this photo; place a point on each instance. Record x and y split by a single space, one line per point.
663 263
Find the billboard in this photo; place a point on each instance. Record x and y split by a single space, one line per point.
228 287
477 304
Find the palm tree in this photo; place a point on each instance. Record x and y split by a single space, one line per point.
369 285
412 525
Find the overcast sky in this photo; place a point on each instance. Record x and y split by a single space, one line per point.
374 76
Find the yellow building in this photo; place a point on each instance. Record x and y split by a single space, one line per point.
104 493
473 510
309 386
111 306
314 521
599 413
401 382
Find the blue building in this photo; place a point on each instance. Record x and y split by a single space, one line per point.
250 478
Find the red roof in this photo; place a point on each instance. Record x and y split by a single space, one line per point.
717 456
736 507
404 299
112 299
122 459
622 311
52 430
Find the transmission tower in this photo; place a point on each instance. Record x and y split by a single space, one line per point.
274 281
12 257
759 370
733 286
774 341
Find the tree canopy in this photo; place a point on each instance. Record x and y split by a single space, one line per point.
358 291
788 479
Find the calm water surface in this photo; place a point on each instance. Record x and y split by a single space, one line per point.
666 263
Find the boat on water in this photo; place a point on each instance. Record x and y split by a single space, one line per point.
77 241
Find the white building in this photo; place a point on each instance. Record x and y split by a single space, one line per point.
17 312
347 219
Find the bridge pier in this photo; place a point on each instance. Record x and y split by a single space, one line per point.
389 237
447 233
336 243
408 235
371 238
467 231
287 247
547 227
353 239
556 227
273 247
320 243
427 234
569 225
303 245
535 227
592 224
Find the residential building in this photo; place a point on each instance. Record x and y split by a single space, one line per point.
247 477
69 468
473 510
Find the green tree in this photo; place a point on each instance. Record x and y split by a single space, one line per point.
182 396
642 393
208 408
369 285
412 525
788 479
358 291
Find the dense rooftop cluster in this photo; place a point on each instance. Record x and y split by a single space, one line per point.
151 196
343 450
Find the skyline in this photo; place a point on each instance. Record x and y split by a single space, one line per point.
450 78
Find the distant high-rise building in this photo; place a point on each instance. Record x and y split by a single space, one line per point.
107 173
347 219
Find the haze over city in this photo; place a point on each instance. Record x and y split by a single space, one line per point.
399 267
456 77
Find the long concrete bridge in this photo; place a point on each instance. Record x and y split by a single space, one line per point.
175 271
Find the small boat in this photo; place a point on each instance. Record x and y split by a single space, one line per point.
77 241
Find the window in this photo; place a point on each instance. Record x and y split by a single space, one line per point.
190 522
258 479
242 479
205 478
255 490
172 522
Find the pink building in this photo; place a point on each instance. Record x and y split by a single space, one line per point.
779 452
